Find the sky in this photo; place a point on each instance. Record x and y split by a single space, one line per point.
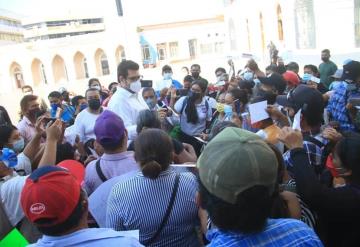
147 11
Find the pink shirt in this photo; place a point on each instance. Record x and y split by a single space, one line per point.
26 129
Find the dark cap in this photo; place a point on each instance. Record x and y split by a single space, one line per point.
303 97
276 81
351 71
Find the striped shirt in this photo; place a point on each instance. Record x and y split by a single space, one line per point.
141 203
278 232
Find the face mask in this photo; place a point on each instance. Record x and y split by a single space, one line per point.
150 103
194 95
83 106
195 74
96 87
248 76
94 104
135 86
220 107
34 112
228 111
167 76
18 146
28 93
8 157
54 106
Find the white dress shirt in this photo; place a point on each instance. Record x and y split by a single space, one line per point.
127 105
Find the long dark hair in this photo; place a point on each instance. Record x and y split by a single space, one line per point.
190 110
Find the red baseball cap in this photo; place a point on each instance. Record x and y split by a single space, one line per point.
50 193
75 168
291 78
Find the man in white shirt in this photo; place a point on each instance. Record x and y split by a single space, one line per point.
127 102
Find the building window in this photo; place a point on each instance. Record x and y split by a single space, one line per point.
161 49
206 48
173 49
305 24
192 48
104 65
146 53
219 47
280 23
357 22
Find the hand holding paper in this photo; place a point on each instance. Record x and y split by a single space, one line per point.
258 111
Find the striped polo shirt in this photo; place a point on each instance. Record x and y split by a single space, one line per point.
141 203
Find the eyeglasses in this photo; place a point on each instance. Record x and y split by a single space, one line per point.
134 78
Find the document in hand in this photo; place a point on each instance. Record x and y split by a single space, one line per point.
258 111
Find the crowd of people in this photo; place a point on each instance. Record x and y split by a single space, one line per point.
185 164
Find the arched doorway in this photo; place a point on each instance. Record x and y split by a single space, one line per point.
59 69
262 32
120 54
232 35
38 72
101 62
81 70
305 24
280 23
17 75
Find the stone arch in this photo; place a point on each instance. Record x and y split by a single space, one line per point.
16 74
59 69
101 62
38 72
120 54
80 64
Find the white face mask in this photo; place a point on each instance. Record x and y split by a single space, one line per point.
96 87
135 86
19 145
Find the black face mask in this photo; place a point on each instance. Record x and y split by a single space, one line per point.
94 104
195 74
194 96
34 113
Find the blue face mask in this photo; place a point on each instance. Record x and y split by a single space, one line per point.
8 157
83 107
54 106
228 111
248 76
19 145
167 76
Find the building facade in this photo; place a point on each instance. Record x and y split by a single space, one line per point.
11 30
300 29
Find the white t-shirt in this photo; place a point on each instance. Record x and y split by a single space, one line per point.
203 113
10 194
23 166
212 102
84 125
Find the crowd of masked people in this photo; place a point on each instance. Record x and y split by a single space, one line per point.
184 164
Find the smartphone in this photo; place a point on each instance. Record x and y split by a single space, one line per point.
146 83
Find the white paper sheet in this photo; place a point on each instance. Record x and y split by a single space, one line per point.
296 123
258 111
